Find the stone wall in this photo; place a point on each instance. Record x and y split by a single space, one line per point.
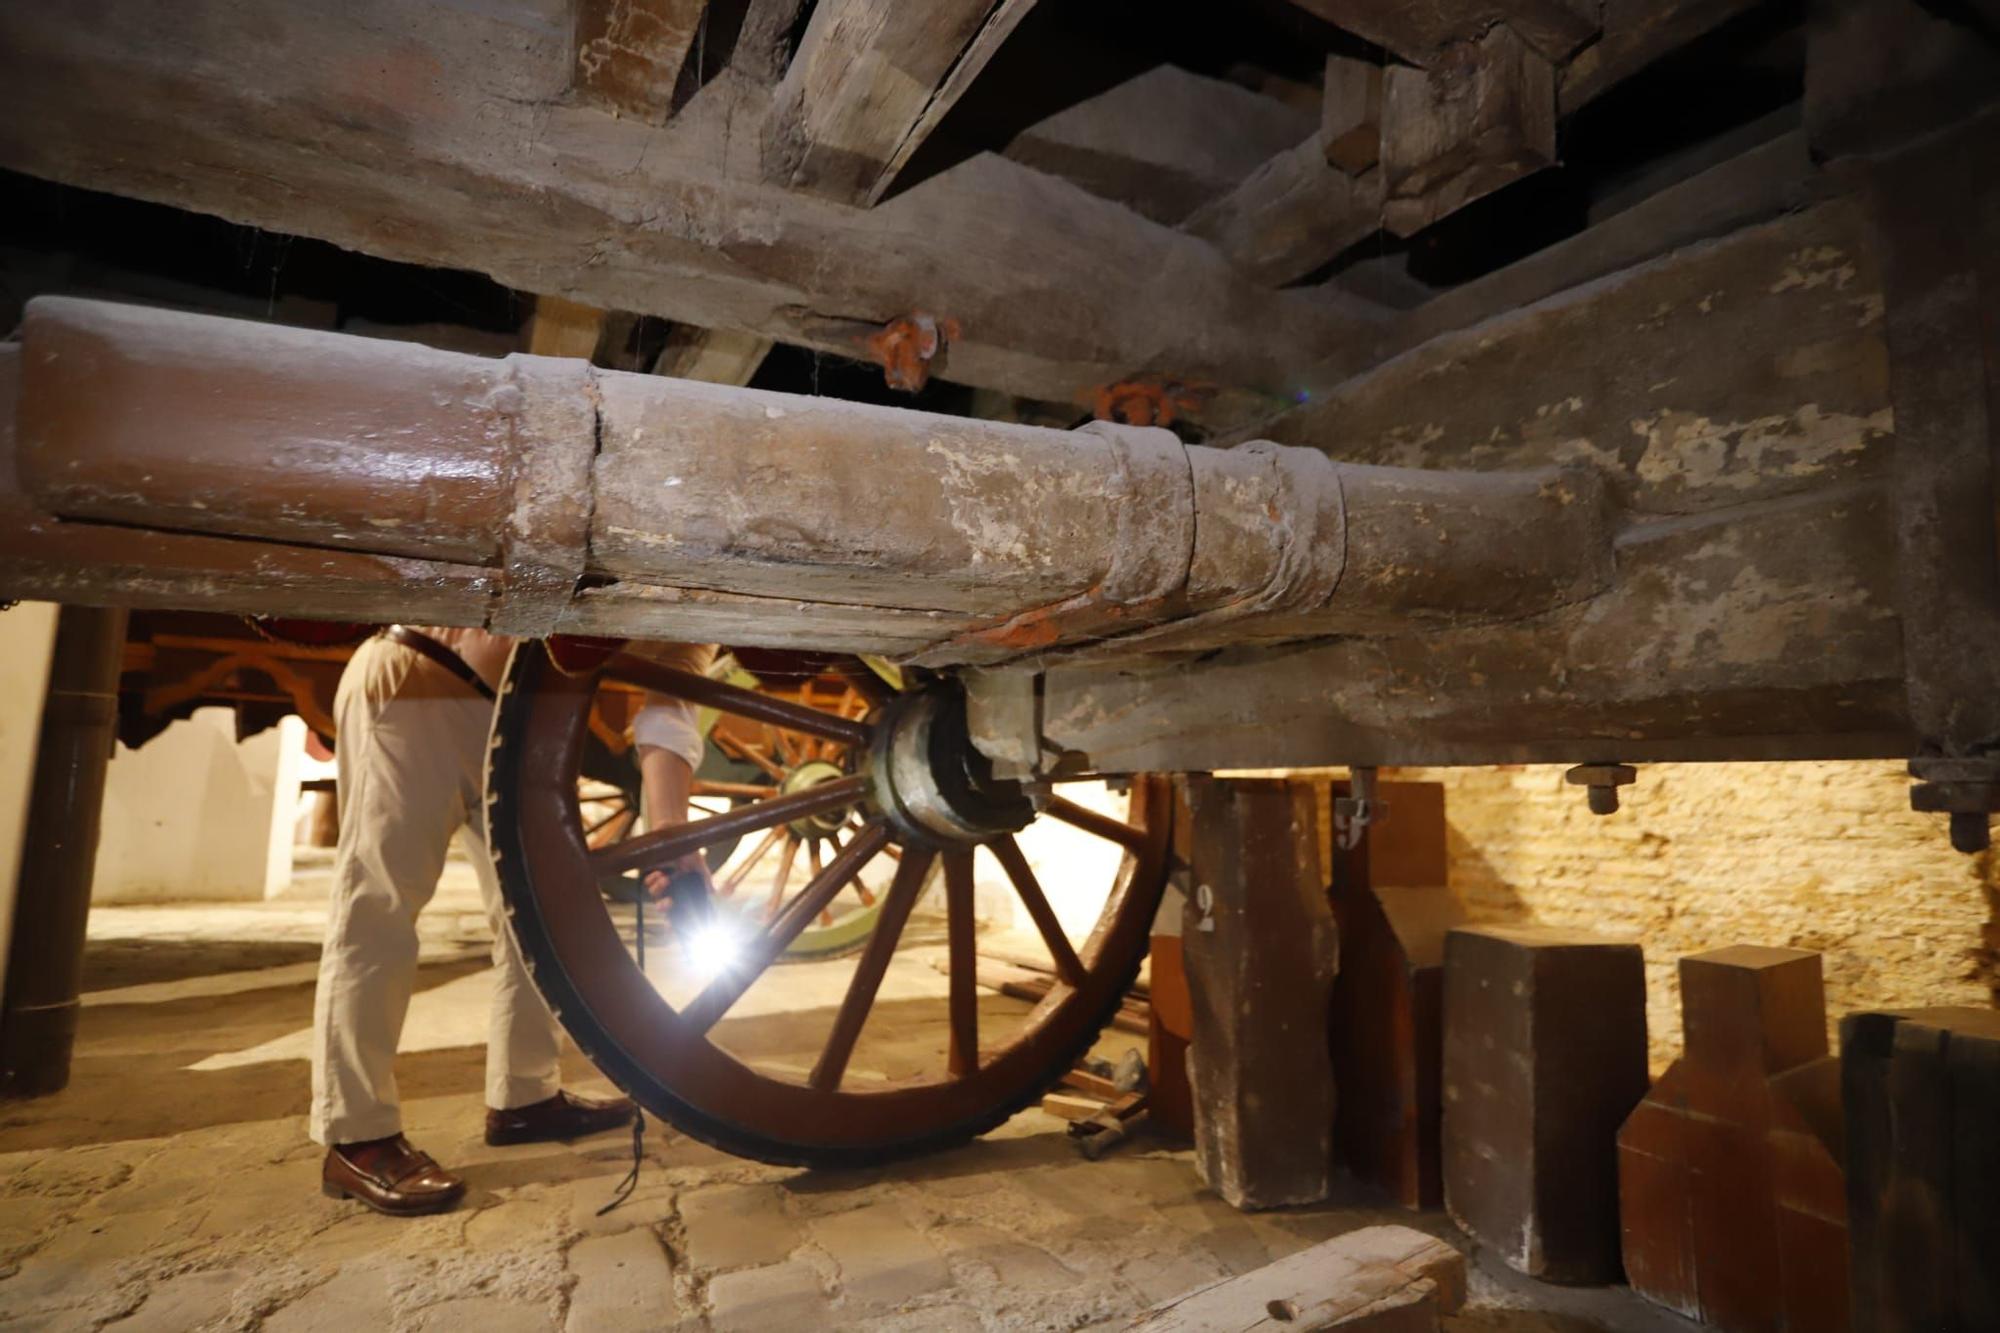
1824 856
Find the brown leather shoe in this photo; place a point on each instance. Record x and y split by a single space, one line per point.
559 1119
389 1176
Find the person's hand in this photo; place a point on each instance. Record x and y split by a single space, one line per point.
660 883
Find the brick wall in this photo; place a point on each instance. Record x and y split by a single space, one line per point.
1823 856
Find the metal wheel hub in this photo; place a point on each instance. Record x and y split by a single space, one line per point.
932 783
814 773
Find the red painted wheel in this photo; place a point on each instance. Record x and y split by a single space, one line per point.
905 786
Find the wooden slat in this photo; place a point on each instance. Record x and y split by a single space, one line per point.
870 81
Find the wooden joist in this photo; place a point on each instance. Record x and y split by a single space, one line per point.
869 83
1292 215
480 163
1164 142
718 356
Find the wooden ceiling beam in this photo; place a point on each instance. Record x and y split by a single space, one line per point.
868 85
473 158
1417 30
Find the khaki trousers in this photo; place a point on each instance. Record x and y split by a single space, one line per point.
411 758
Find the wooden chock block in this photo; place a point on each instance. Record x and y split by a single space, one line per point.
1921 1090
1544 1057
1729 1170
1261 951
1375 1280
1393 910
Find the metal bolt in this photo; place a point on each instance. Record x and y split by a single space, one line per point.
1971 832
1602 782
1965 788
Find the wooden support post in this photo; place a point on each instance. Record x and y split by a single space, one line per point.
52 907
1729 1177
1483 115
1544 1057
1351 114
1261 955
1921 1089
1394 909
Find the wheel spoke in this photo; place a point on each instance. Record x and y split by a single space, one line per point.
1090 821
786 860
737 749
964 963
618 812
754 791
650 851
707 1008
1069 967
749 863
634 670
868 973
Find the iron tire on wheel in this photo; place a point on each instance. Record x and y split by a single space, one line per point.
674 1069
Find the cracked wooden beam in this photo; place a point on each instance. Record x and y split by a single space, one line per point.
470 158
870 82
999 539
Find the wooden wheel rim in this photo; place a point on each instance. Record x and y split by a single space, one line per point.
636 1038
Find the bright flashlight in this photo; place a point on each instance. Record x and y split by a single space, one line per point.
712 947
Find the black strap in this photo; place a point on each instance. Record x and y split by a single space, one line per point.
418 641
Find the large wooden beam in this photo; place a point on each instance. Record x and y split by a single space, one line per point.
439 134
1736 396
869 83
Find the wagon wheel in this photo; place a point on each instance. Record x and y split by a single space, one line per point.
915 792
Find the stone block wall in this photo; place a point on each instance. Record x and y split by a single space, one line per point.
1824 856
